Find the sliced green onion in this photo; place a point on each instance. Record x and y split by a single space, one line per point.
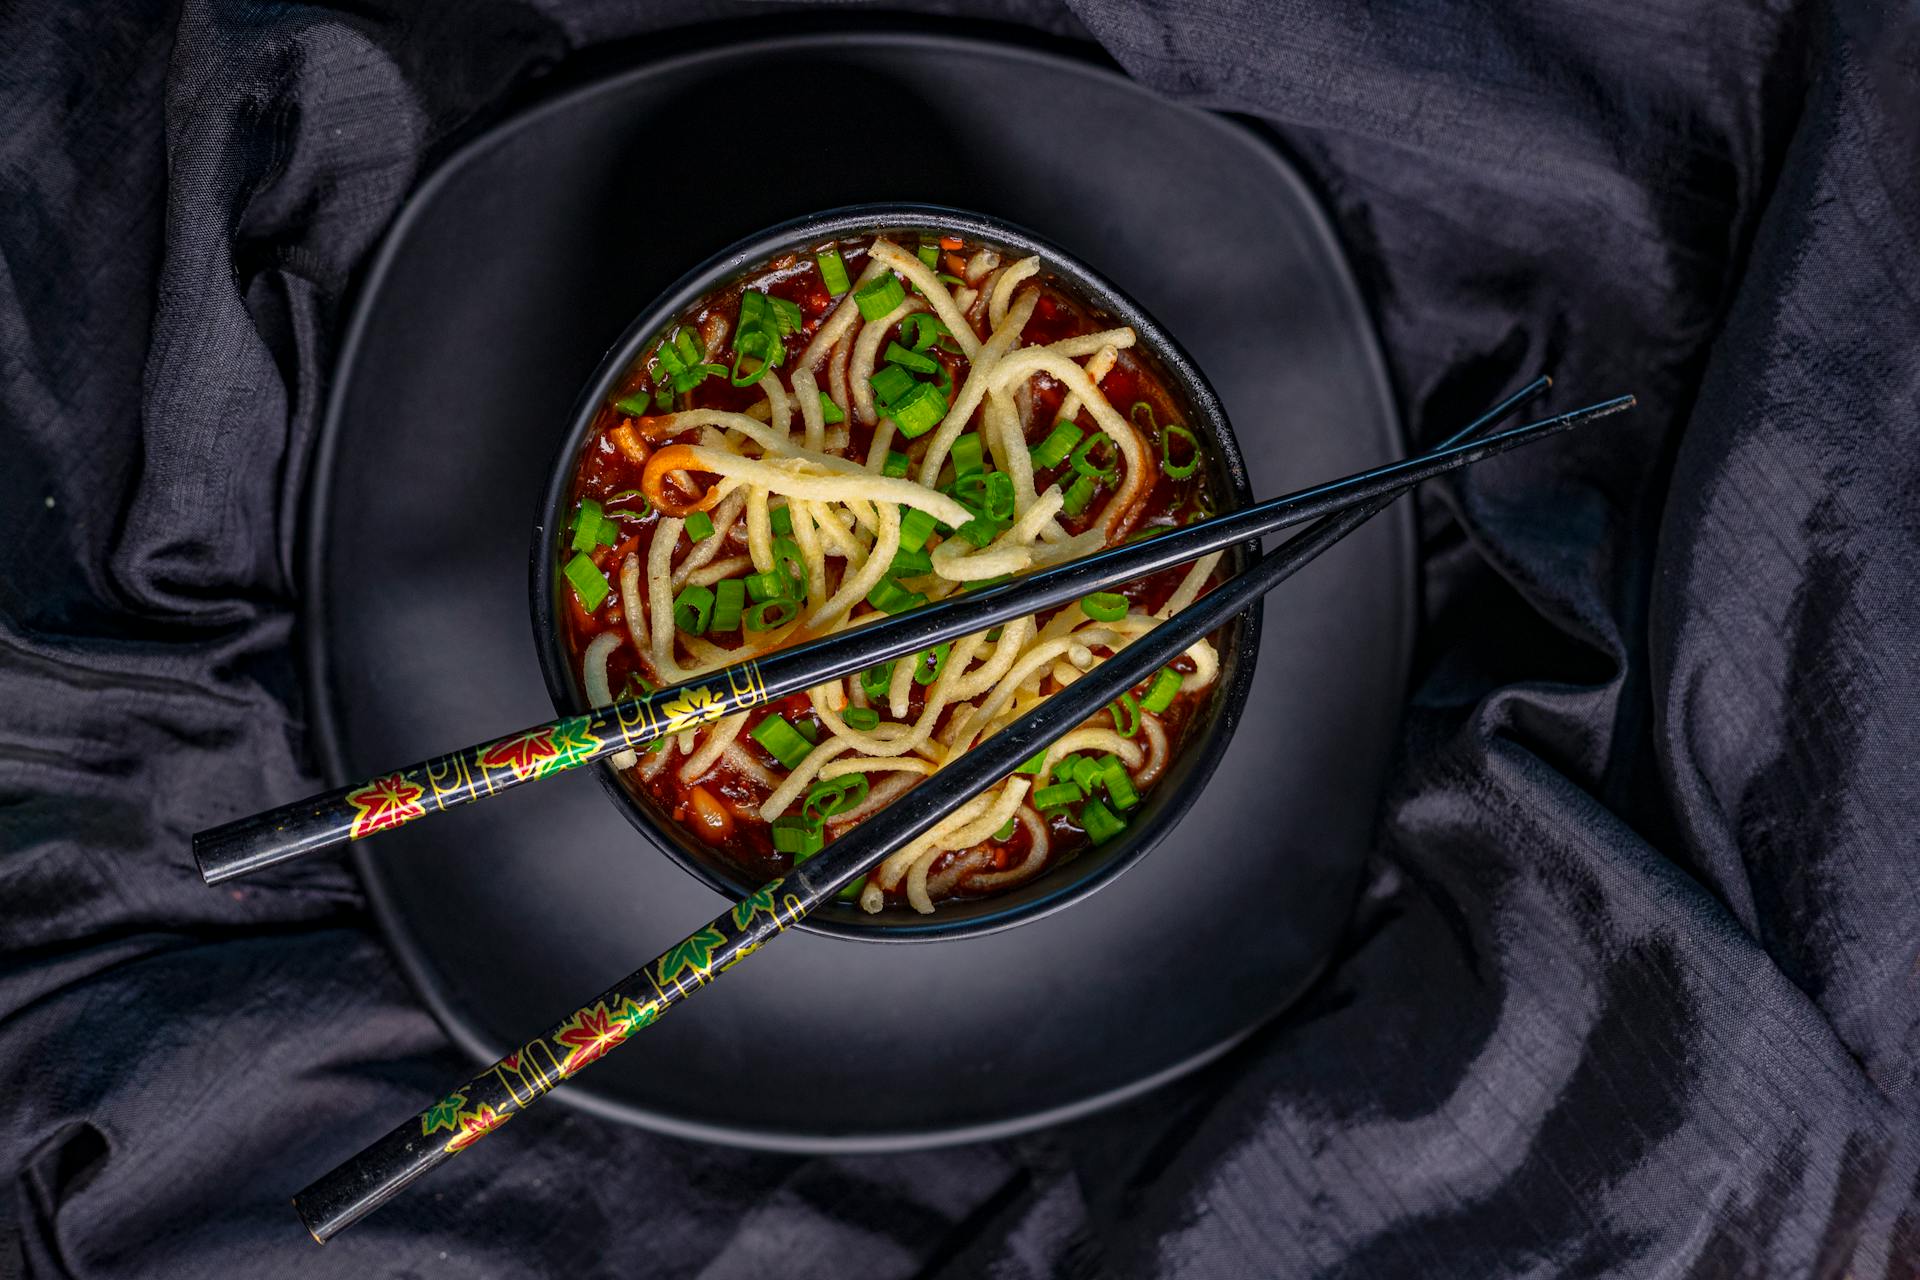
1100 823
891 383
889 596
982 530
733 374
851 892
911 361
1059 443
834 796
929 254
966 455
1104 606
729 598
879 297
699 526
693 609
999 497
785 316
781 518
1057 796
897 464
922 329
916 526
970 491
811 731
780 738
1081 771
586 524
662 397
916 412
1125 711
910 564
608 533
1006 829
798 836
1078 495
1187 468
1034 763
929 663
861 718
875 680
634 405
831 413
1119 787
771 615
1082 458
1163 690
952 282
767 586
833 271
786 552
588 582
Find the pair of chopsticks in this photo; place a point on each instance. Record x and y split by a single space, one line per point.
468 1113
433 786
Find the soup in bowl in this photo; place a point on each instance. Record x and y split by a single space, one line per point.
849 417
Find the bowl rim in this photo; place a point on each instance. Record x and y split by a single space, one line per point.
1192 768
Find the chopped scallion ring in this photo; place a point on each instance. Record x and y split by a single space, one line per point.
729 599
861 718
833 796
589 584
833 271
693 609
1100 822
889 596
875 680
831 413
699 526
798 836
929 663
770 615
1161 693
777 734
1104 606
1078 495
966 454
1082 458
912 361
1059 443
1125 711
916 526
1168 467
879 297
1057 796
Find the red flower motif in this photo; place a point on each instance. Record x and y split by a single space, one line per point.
590 1034
527 754
385 803
477 1124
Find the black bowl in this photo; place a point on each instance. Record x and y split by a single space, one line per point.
1206 741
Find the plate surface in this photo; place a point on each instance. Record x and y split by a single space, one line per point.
506 278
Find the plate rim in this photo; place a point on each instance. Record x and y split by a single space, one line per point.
317 471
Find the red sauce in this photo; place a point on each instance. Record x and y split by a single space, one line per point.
720 809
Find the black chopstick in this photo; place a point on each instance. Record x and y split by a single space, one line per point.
348 1193
433 786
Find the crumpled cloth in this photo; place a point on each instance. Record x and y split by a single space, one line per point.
1632 987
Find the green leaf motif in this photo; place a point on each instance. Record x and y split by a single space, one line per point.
760 900
637 1016
696 953
444 1114
573 741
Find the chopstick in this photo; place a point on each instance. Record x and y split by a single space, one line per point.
348 1193
433 786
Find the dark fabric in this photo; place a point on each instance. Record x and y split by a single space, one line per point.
1632 989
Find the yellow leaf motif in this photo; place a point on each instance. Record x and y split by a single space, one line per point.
692 707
